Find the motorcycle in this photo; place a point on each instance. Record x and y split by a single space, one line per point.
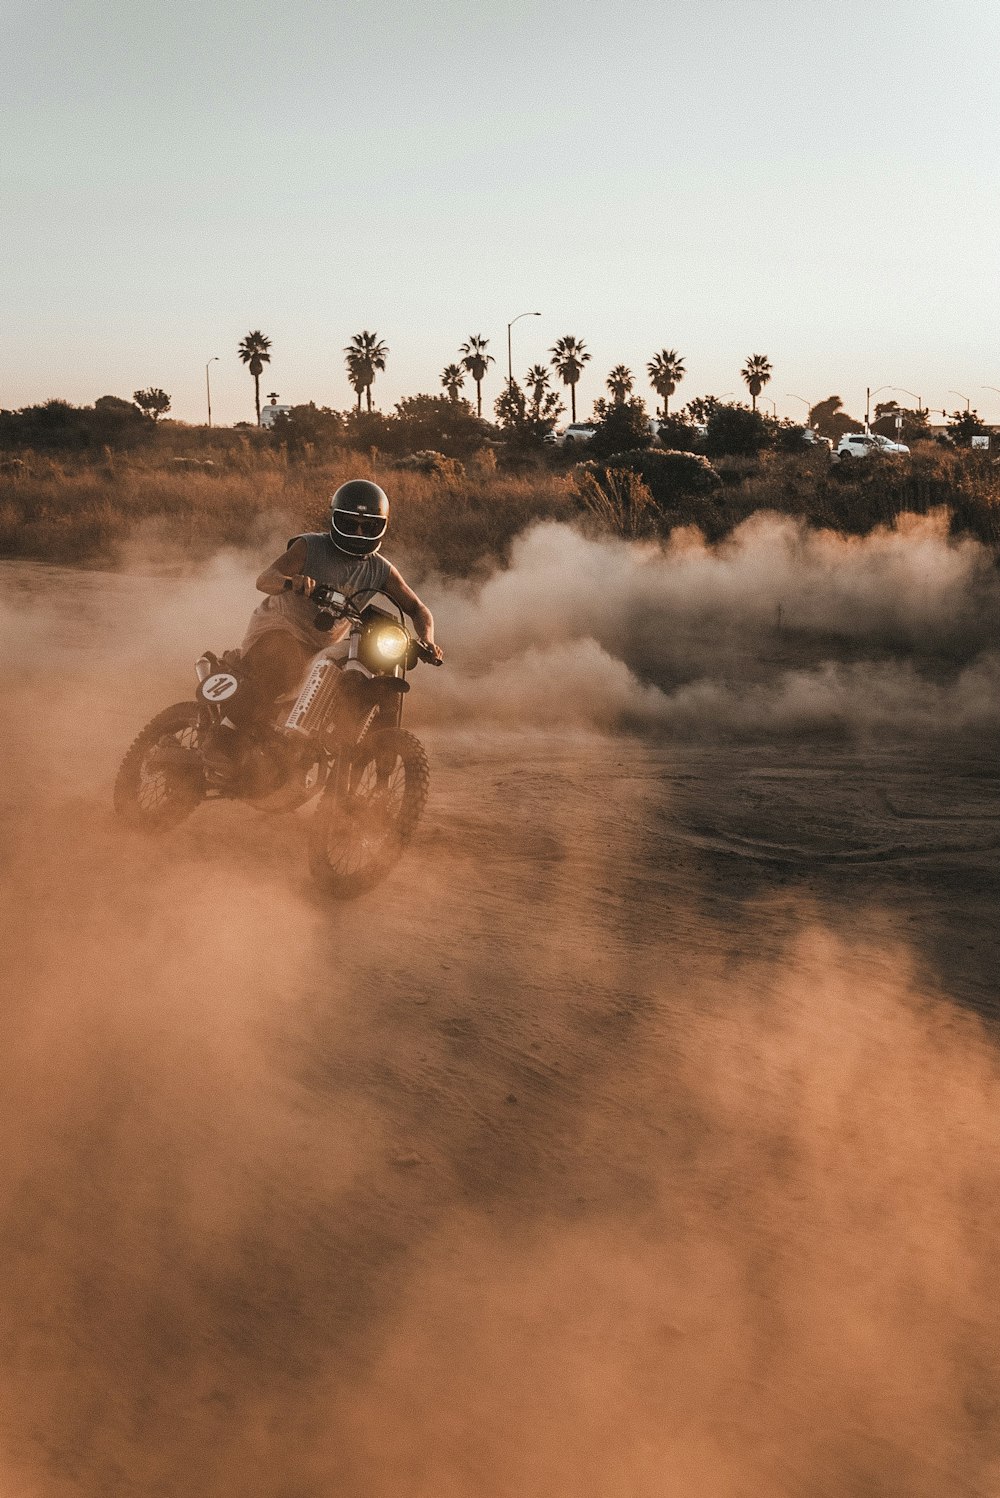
339 739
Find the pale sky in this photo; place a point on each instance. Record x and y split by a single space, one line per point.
817 182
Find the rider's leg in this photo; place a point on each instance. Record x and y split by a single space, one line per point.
276 663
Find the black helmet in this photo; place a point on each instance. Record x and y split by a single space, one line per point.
359 514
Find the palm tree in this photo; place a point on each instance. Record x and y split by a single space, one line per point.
254 351
666 370
365 354
537 381
620 382
477 361
569 355
452 379
356 373
756 372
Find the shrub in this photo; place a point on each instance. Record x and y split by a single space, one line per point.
308 430
622 426
735 431
435 423
669 476
790 437
434 465
679 435
57 426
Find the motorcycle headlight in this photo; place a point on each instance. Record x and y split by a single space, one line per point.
391 643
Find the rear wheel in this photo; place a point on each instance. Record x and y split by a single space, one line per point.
368 815
161 779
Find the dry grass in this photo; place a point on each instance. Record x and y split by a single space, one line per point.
459 522
67 513
618 501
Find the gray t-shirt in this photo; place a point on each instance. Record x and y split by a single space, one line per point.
334 569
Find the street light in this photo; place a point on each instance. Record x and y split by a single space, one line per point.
773 404
510 366
208 387
868 399
962 397
791 397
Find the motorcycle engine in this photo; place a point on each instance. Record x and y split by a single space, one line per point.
264 769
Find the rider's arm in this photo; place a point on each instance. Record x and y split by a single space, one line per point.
273 578
423 621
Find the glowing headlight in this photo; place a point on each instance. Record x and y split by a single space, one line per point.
391 643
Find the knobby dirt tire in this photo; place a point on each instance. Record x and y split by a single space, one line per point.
136 800
339 858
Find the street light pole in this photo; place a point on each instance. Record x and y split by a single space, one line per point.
772 403
208 387
791 397
962 397
510 364
868 401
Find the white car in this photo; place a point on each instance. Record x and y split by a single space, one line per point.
577 432
863 444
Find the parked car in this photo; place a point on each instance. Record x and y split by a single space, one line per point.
815 439
577 432
863 444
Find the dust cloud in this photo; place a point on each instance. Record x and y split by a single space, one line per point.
778 629
591 1154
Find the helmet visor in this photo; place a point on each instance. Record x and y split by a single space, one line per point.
349 523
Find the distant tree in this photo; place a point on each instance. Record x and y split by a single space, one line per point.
355 374
57 426
365 430
308 431
913 425
701 408
436 423
679 434
620 382
621 426
756 373
537 381
153 402
524 424
569 355
830 419
253 351
963 426
735 431
666 370
477 361
452 378
364 355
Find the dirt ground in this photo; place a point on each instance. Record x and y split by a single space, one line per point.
636 1137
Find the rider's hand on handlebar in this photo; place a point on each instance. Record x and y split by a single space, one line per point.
304 585
432 653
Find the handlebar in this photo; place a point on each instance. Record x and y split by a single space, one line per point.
426 653
335 604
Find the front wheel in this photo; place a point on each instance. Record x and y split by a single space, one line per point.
369 812
161 779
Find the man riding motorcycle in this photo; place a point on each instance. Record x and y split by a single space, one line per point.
281 637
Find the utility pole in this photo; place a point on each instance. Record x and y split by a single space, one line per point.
208 387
